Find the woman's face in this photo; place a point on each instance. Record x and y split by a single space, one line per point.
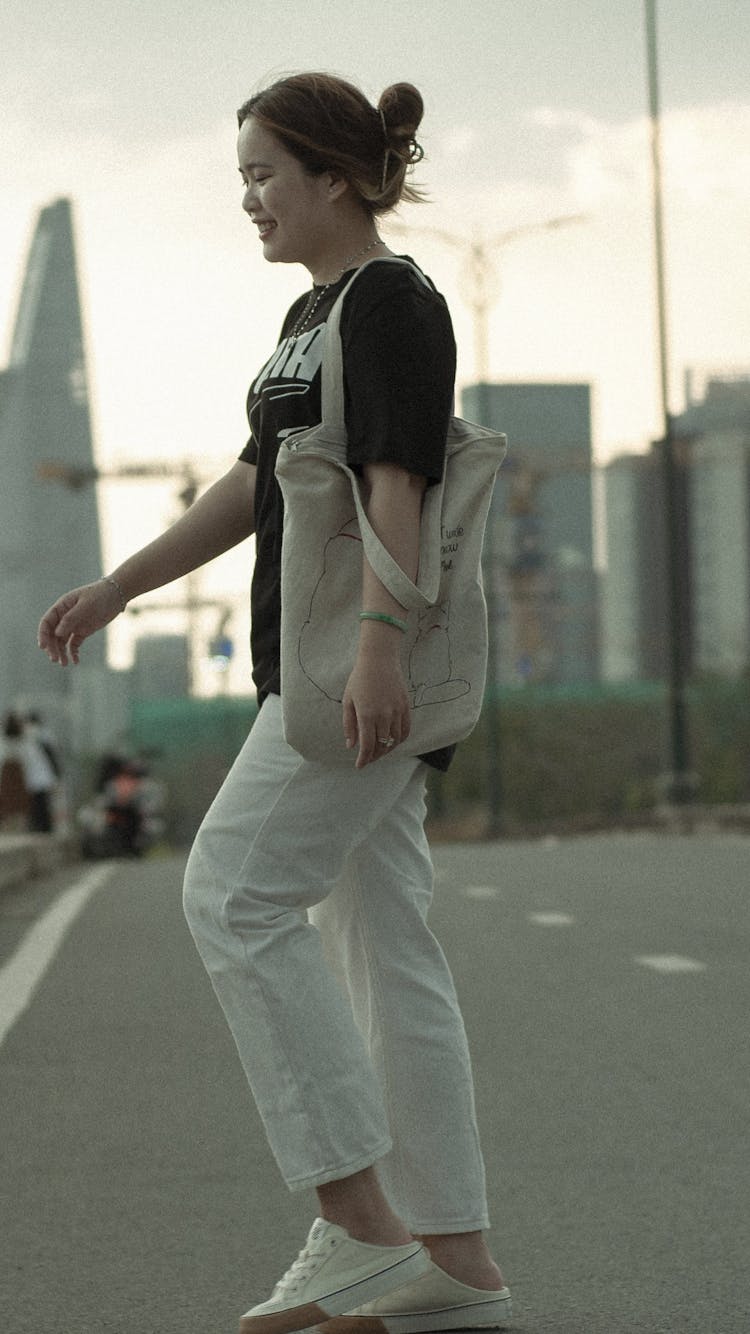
290 208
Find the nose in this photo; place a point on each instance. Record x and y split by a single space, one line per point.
249 202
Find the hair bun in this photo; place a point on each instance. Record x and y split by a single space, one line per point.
402 109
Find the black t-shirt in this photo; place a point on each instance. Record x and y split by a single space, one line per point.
399 368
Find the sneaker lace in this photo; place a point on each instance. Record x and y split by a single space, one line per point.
307 1263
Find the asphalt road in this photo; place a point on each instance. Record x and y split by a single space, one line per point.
606 994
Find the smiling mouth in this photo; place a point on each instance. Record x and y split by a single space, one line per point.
265 229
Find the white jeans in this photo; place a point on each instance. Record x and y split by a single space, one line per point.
307 892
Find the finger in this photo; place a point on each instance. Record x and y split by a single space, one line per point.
66 628
384 739
46 643
64 619
349 718
367 745
46 633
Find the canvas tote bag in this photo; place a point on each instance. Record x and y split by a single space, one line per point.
325 535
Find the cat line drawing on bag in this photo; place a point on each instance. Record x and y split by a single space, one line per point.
430 678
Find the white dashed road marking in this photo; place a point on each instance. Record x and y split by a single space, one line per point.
21 975
551 919
670 963
480 891
659 963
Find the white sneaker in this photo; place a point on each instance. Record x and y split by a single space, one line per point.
334 1273
433 1302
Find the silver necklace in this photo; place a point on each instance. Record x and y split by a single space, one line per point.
315 297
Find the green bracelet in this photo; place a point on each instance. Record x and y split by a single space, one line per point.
381 616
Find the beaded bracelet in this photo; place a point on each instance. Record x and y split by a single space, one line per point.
388 620
107 579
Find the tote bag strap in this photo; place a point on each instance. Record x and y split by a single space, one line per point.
332 371
388 570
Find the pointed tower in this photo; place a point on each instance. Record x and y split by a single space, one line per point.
49 534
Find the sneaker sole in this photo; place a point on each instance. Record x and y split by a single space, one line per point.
450 1320
313 1314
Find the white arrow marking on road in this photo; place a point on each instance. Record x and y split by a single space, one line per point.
21 975
551 918
670 963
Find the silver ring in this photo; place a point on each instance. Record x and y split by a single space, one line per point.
387 742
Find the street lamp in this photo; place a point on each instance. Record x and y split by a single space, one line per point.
480 290
681 783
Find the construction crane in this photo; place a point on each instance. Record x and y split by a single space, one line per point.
51 470
191 476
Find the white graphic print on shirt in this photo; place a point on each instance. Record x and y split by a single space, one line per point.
300 360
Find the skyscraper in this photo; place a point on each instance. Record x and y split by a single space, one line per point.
712 498
716 432
635 607
542 591
49 534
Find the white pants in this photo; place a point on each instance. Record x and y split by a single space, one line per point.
307 892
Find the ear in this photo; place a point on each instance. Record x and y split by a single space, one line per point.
337 185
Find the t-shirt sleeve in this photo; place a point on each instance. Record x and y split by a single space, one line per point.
399 372
250 452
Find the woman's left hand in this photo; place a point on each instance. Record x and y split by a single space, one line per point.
376 706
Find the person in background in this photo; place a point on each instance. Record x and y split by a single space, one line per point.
42 769
14 794
39 732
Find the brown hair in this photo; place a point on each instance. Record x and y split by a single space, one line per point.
328 124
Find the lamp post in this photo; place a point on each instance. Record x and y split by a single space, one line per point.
480 289
681 782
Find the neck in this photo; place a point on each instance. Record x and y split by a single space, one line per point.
347 252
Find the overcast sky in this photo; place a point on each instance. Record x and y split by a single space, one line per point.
534 109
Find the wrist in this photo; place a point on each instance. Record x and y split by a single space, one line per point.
385 618
377 639
117 587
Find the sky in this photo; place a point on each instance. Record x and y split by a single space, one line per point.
534 110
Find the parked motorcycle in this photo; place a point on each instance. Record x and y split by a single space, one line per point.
126 817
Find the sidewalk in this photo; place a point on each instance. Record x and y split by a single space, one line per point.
23 856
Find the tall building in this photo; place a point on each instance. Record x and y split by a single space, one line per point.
541 583
622 630
635 622
712 497
49 534
717 434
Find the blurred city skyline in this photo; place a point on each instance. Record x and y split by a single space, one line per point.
531 113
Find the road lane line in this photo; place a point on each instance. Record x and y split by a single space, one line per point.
21 975
670 963
481 891
551 918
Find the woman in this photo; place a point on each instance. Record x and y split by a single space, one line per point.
27 777
308 885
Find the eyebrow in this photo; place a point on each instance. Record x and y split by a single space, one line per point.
251 166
